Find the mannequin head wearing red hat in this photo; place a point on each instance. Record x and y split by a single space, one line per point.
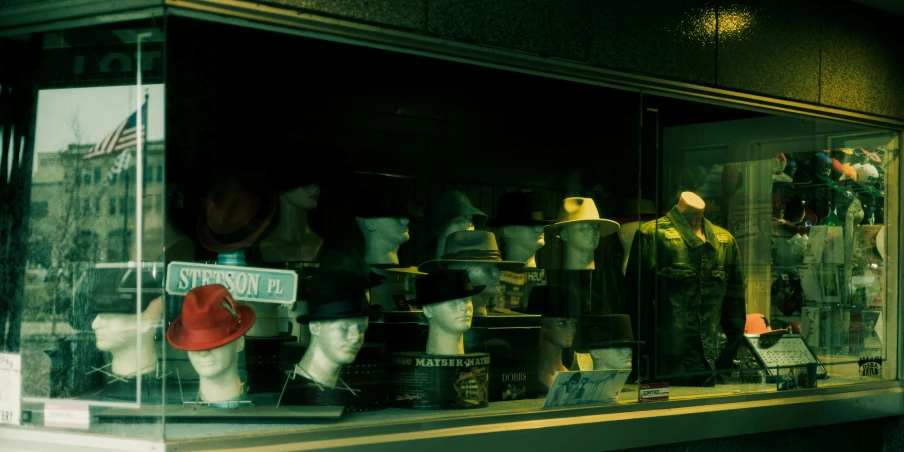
211 329
117 333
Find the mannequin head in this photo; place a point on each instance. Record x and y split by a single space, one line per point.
304 197
612 358
382 238
581 236
338 341
559 331
461 223
522 242
117 333
217 362
481 274
453 316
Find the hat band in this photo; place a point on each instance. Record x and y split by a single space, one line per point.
338 309
473 254
209 335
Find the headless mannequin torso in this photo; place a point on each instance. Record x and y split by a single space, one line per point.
292 239
691 206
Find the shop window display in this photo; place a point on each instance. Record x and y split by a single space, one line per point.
418 237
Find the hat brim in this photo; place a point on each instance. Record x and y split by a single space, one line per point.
307 318
406 270
607 227
463 294
208 239
609 344
430 266
176 337
642 218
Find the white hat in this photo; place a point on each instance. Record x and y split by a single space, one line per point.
867 174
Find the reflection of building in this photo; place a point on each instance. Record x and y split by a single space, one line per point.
76 216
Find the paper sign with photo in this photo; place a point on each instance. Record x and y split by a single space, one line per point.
585 387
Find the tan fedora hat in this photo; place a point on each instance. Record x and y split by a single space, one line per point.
575 210
471 247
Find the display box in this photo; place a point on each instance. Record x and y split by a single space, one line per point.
511 340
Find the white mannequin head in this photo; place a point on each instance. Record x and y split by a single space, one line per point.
448 322
117 333
382 238
581 236
522 243
339 341
304 197
611 358
559 331
217 362
462 223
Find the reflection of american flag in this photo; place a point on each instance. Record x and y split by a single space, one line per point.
121 138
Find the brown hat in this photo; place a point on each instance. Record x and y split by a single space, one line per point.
234 215
471 247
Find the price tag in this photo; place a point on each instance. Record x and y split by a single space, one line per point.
654 392
10 388
67 415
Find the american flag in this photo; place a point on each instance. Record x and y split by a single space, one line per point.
121 138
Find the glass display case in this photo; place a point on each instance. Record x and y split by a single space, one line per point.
216 243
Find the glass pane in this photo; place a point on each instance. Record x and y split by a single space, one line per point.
769 256
91 302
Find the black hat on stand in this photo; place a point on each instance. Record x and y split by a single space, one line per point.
518 209
336 295
444 285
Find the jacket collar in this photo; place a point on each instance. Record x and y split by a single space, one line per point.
687 233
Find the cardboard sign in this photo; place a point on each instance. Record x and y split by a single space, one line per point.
244 283
586 387
10 388
67 415
654 392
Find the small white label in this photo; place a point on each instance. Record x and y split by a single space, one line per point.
67 415
10 388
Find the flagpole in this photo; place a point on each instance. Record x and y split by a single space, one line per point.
139 212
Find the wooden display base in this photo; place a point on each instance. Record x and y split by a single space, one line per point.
431 382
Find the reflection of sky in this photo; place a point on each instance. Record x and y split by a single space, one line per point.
99 111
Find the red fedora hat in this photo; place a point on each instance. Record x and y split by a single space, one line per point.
210 319
234 215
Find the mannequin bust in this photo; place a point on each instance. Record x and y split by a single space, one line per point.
482 274
116 333
560 309
611 358
382 238
292 239
462 223
522 243
556 333
448 322
580 227
445 296
212 330
452 212
337 319
691 206
333 343
580 241
218 371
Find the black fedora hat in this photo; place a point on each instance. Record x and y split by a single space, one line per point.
444 285
336 295
606 331
518 209
113 288
553 301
